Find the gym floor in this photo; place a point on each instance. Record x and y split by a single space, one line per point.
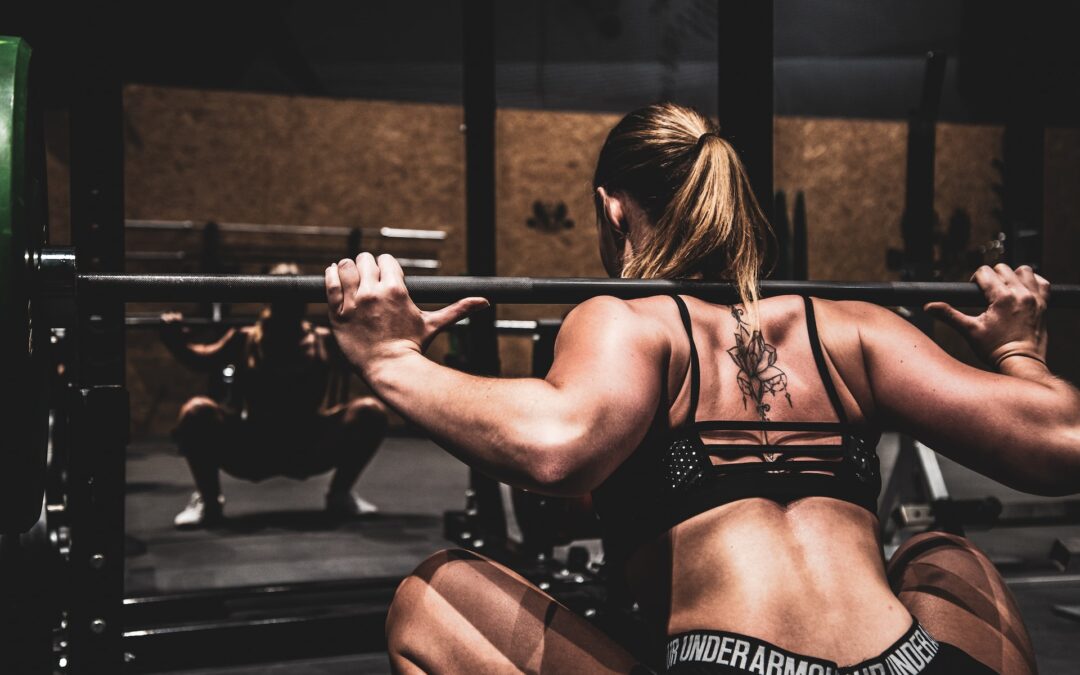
276 533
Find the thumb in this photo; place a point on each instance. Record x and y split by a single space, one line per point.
945 312
441 318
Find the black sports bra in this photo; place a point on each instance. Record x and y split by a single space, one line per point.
671 478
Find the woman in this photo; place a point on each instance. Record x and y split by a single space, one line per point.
729 450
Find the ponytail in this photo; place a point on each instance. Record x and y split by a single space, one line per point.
689 180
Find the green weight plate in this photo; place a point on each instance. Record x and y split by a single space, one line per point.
23 215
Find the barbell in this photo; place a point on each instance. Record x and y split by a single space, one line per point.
33 275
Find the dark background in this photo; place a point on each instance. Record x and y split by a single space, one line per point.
833 58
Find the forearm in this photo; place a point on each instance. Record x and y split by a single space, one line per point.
1024 431
190 358
1020 426
198 356
1055 418
511 429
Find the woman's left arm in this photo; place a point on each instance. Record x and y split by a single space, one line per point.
560 435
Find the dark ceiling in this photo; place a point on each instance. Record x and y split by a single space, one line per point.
837 58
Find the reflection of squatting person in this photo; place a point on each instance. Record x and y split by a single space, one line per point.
288 418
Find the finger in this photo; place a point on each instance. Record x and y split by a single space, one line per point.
350 282
948 314
1026 275
369 273
441 318
390 273
1008 276
334 294
989 283
1043 289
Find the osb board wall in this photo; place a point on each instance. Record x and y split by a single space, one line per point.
259 158
852 173
547 157
273 159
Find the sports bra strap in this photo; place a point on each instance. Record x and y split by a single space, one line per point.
742 468
695 370
819 359
770 425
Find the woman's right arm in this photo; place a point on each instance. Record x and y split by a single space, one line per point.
1019 426
177 339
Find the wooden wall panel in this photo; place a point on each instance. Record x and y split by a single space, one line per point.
548 157
852 173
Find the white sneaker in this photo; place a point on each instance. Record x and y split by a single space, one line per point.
200 514
349 505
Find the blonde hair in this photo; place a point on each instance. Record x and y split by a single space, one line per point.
706 222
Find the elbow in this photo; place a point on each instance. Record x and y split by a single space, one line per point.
1059 475
557 467
1067 479
552 478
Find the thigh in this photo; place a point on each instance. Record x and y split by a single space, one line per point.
201 419
461 612
957 594
361 420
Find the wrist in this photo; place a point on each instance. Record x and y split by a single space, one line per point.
382 363
1022 348
1010 361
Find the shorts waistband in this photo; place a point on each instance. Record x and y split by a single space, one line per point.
909 655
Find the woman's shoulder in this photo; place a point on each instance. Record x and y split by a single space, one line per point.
856 313
611 306
643 312
638 319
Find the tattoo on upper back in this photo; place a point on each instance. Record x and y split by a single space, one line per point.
758 372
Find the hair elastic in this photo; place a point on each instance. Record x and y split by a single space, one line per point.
702 137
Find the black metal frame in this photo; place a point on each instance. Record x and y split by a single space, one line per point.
98 402
479 92
251 624
745 53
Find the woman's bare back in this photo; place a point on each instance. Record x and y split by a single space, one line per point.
806 575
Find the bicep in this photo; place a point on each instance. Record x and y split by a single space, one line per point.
608 373
983 420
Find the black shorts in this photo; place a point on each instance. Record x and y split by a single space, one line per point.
706 652
255 451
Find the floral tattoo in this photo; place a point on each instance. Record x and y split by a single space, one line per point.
758 374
